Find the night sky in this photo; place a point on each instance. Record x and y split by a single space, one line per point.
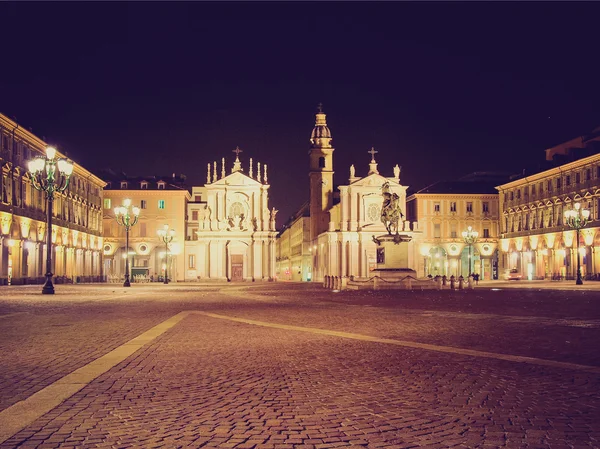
442 89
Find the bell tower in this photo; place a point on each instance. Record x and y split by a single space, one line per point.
321 175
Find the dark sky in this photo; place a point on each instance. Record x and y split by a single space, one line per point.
442 89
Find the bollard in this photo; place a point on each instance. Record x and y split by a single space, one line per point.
471 282
444 280
439 282
461 281
452 282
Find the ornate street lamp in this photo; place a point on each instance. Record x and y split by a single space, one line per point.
51 175
577 219
166 236
127 217
470 237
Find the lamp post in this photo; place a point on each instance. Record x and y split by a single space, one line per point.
577 219
51 175
470 237
127 217
166 236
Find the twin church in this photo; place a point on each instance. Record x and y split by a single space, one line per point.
229 224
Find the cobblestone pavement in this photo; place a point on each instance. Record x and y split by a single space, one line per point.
210 382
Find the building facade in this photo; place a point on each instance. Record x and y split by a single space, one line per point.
294 250
231 229
535 238
76 224
162 201
343 220
444 211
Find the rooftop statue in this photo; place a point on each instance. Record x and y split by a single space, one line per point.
391 214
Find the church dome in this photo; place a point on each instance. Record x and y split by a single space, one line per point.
321 135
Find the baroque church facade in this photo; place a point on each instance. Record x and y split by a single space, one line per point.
343 221
230 228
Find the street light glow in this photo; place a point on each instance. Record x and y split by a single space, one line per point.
50 152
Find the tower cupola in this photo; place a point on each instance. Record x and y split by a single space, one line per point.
321 135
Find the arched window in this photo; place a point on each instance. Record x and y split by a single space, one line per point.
321 162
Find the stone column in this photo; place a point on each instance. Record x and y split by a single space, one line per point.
343 254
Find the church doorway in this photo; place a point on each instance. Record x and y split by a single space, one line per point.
237 267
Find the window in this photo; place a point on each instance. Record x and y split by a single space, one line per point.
144 185
106 203
486 233
143 204
558 183
197 198
533 190
549 186
437 230
161 185
161 204
436 207
195 215
577 178
469 207
453 233
321 162
123 184
512 195
453 206
588 174
568 180
192 261
485 207
518 194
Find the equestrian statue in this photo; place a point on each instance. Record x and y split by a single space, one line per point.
391 214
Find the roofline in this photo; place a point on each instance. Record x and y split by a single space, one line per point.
549 172
23 132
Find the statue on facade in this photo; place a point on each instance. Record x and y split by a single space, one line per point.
397 169
391 213
352 171
273 214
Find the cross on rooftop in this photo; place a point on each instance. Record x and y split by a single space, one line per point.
237 152
372 151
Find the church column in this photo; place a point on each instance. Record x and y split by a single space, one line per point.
265 260
352 199
265 209
344 201
343 253
257 250
272 256
359 217
352 258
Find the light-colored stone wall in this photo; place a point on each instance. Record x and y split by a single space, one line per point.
77 216
144 241
535 238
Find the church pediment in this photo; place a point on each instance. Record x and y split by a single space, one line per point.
236 179
375 180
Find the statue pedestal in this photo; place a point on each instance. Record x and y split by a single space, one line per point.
392 262
393 270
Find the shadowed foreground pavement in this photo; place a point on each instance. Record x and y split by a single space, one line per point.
289 365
